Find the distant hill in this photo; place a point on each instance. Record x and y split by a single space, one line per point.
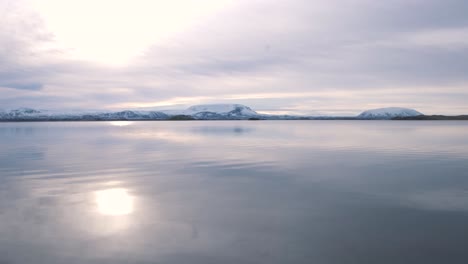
388 113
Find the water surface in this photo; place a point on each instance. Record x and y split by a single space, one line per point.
234 192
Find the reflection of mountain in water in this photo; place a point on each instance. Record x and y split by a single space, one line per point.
215 130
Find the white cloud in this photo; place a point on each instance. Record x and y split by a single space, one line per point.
328 57
113 32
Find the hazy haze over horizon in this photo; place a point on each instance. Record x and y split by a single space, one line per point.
297 57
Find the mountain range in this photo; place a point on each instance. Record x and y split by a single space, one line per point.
197 112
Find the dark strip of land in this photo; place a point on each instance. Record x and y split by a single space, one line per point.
432 117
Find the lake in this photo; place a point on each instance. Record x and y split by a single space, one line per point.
223 192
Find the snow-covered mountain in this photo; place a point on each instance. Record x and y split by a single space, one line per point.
236 109
204 112
28 114
216 111
200 112
20 113
388 113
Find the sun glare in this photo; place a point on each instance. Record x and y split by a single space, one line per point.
120 123
112 32
114 202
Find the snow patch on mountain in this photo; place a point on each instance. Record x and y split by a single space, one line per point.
388 113
222 109
215 111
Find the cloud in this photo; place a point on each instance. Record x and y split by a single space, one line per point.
319 57
23 86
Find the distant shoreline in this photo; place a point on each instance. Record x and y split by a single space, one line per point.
214 112
432 117
410 118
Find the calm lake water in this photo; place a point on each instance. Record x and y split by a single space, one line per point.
237 192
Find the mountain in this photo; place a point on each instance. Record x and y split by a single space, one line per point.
197 112
28 114
131 115
216 112
388 113
220 111
201 112
19 114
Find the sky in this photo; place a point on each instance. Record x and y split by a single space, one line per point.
314 57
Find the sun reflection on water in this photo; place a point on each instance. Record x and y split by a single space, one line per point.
121 123
114 202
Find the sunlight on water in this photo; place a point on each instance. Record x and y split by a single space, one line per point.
114 202
233 192
121 123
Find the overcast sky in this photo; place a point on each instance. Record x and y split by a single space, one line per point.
334 57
